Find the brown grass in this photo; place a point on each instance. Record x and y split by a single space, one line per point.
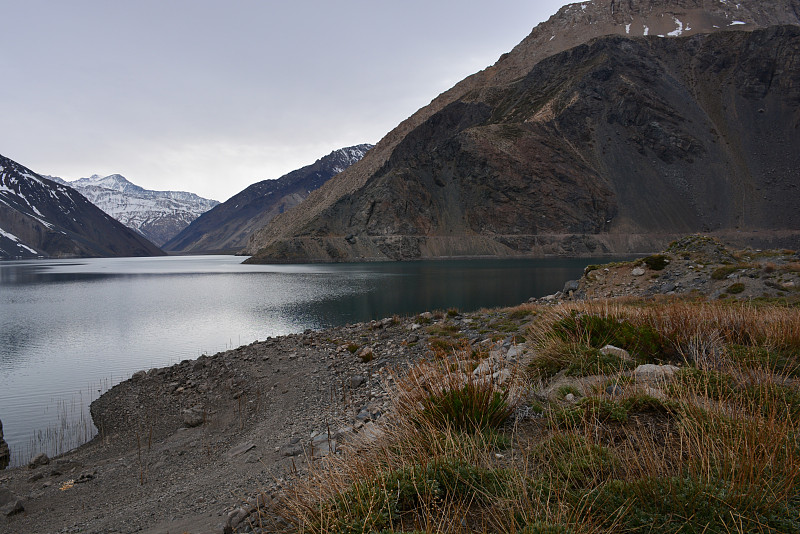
714 451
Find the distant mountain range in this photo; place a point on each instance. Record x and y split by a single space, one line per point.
614 127
228 226
42 218
157 215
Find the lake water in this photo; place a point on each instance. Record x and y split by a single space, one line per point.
71 329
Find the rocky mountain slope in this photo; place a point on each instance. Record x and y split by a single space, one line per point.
228 226
39 217
613 127
157 215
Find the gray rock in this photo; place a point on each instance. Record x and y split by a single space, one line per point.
569 397
14 507
514 352
10 504
501 377
616 351
235 517
138 375
356 381
571 285
39 460
194 416
366 354
666 288
638 271
239 450
614 390
651 373
292 450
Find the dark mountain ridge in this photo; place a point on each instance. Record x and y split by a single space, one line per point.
227 226
41 218
615 145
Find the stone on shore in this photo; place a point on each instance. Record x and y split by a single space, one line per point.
39 460
10 504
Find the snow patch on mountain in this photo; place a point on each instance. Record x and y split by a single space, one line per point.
157 215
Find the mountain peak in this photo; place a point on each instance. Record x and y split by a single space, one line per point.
41 217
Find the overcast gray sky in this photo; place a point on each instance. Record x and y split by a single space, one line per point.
210 96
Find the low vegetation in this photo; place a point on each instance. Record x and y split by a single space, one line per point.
712 449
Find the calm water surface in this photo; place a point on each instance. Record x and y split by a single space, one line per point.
70 329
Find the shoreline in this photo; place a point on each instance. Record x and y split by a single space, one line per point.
201 445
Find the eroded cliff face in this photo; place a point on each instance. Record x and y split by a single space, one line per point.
615 145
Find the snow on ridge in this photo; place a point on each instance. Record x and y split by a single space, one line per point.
677 32
17 241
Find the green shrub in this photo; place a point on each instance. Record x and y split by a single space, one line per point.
782 361
688 506
540 527
722 273
518 315
642 341
476 406
574 460
735 289
643 403
563 391
591 410
386 499
713 384
590 361
657 262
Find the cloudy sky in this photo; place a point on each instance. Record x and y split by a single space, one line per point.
210 96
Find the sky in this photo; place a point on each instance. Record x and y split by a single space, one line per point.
210 96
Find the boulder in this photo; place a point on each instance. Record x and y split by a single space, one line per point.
356 381
622 354
39 460
638 271
10 504
194 416
571 285
651 373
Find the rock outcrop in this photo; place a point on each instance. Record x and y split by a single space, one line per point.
679 117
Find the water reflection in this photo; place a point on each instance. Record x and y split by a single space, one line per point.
66 325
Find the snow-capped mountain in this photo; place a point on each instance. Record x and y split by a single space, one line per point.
39 217
228 226
157 215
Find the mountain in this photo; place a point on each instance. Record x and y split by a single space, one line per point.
157 215
228 226
39 217
593 135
